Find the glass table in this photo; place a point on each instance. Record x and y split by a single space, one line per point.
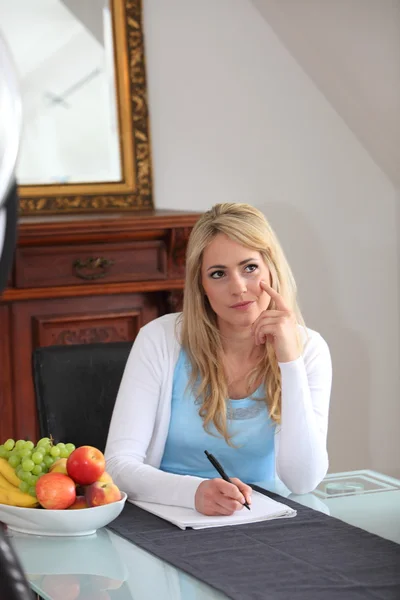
105 566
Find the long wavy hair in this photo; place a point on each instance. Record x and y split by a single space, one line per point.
200 335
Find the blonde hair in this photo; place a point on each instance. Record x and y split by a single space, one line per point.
200 335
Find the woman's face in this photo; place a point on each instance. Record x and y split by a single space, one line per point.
231 275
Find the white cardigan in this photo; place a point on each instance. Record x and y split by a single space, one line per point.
140 421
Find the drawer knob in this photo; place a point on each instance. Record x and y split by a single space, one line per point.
99 267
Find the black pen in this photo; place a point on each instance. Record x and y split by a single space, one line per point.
221 471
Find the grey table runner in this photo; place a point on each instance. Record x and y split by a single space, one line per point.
310 557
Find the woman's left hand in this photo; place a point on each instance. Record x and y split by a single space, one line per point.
278 325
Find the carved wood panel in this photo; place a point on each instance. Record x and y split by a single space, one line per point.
51 330
68 321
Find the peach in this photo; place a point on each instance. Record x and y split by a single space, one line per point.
105 478
80 502
100 493
59 466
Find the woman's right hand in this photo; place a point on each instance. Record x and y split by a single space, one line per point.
218 497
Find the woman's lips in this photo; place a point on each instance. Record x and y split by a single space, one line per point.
242 305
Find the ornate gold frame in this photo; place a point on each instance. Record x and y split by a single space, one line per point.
134 192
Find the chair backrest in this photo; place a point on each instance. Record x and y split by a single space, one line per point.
76 387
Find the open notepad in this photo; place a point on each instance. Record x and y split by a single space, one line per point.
262 509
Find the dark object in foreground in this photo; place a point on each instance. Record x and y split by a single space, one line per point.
13 583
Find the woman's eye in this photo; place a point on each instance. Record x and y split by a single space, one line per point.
217 274
250 268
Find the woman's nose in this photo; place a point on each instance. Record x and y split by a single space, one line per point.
238 286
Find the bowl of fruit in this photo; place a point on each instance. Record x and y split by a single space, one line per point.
56 489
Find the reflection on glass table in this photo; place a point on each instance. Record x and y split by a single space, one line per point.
366 499
105 566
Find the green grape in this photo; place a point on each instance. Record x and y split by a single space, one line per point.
25 476
3 452
9 444
19 444
19 471
43 442
60 445
64 453
37 457
30 445
37 469
55 452
32 479
43 465
24 487
25 453
70 448
48 460
14 461
32 491
27 464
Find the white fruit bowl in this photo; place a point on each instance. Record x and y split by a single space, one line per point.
40 521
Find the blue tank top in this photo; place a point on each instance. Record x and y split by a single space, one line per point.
251 459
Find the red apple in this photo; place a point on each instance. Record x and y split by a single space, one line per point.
80 502
55 491
85 465
59 466
105 478
100 493
61 587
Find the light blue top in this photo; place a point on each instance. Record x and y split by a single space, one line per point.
252 459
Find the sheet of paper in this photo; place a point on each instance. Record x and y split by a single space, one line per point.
262 508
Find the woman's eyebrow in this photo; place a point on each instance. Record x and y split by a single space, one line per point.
242 262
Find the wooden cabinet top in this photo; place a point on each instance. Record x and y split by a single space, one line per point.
143 251
77 228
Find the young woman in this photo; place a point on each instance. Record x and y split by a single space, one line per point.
236 374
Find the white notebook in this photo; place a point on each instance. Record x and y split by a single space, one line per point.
262 509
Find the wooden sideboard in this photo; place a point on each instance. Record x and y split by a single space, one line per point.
83 280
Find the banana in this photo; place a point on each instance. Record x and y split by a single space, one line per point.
6 485
17 498
8 472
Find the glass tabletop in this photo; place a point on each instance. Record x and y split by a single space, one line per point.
105 566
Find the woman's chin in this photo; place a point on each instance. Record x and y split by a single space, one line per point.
244 321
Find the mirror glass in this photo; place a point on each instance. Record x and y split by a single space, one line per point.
64 55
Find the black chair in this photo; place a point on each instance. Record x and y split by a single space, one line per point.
76 387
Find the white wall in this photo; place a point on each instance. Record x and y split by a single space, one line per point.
235 118
351 50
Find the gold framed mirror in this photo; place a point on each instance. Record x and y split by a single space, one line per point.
85 145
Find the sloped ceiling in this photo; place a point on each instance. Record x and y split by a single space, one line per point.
351 50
